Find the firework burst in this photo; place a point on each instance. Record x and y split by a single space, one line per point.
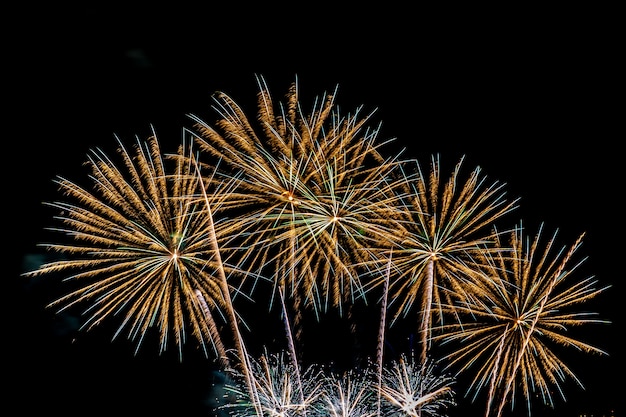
441 236
140 246
315 196
510 329
279 389
415 389
351 394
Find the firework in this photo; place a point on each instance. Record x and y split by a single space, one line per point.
524 311
316 196
415 389
280 390
350 394
139 247
444 229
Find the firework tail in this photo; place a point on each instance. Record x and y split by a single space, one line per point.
381 333
239 343
217 340
292 347
492 384
425 324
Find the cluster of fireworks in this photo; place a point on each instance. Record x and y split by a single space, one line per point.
308 204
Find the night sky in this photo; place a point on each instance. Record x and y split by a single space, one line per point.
532 98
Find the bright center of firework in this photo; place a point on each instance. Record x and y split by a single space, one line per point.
410 406
335 219
289 196
175 254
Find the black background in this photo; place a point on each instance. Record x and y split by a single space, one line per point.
535 97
